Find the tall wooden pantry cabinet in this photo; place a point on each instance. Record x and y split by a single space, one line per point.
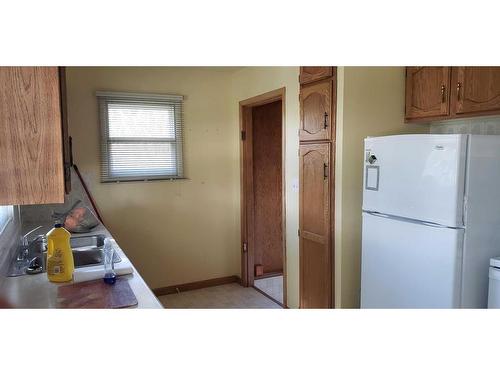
316 175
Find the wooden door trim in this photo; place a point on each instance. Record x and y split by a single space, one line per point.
246 182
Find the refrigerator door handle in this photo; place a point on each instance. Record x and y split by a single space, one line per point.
426 223
374 213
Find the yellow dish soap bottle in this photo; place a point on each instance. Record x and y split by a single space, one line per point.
60 263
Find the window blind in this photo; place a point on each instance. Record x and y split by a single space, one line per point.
141 136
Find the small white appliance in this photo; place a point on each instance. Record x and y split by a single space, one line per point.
494 287
431 220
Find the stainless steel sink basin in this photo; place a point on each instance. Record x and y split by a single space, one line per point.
87 252
83 243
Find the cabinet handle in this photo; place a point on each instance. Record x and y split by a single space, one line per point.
459 89
325 171
325 123
443 91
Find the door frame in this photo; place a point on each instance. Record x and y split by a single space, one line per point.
246 183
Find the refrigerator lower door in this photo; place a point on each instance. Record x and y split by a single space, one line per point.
407 264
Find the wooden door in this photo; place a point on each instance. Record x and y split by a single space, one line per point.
310 74
267 190
316 111
476 89
315 226
31 171
427 92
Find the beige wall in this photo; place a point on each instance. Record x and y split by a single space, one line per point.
173 231
371 103
250 82
184 231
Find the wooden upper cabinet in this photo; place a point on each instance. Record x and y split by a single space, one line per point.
31 142
476 89
316 111
427 92
315 226
314 73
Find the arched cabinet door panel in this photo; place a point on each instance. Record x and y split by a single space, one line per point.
315 226
476 89
316 111
427 92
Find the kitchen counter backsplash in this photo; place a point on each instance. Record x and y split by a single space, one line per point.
477 125
42 213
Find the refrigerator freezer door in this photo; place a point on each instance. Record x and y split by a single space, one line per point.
406 264
416 176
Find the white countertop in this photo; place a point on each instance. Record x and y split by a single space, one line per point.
36 291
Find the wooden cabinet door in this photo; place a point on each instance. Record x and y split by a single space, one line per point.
427 92
314 73
315 226
477 89
31 171
316 111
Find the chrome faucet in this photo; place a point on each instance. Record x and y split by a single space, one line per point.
26 243
24 238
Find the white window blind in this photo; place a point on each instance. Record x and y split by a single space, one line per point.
141 136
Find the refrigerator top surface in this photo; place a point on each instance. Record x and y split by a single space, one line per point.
421 137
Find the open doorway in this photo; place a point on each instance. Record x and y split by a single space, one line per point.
263 198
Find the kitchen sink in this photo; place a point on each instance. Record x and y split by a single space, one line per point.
87 252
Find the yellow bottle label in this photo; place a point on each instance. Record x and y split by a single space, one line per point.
55 264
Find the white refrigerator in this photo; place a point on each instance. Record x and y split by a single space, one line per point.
431 220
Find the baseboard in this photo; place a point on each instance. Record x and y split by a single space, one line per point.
196 285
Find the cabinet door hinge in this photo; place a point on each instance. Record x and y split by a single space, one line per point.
243 135
245 247
298 232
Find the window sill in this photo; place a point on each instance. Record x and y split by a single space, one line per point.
164 179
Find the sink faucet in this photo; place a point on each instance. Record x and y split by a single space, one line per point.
26 243
24 238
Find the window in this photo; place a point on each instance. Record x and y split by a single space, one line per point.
141 136
6 215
